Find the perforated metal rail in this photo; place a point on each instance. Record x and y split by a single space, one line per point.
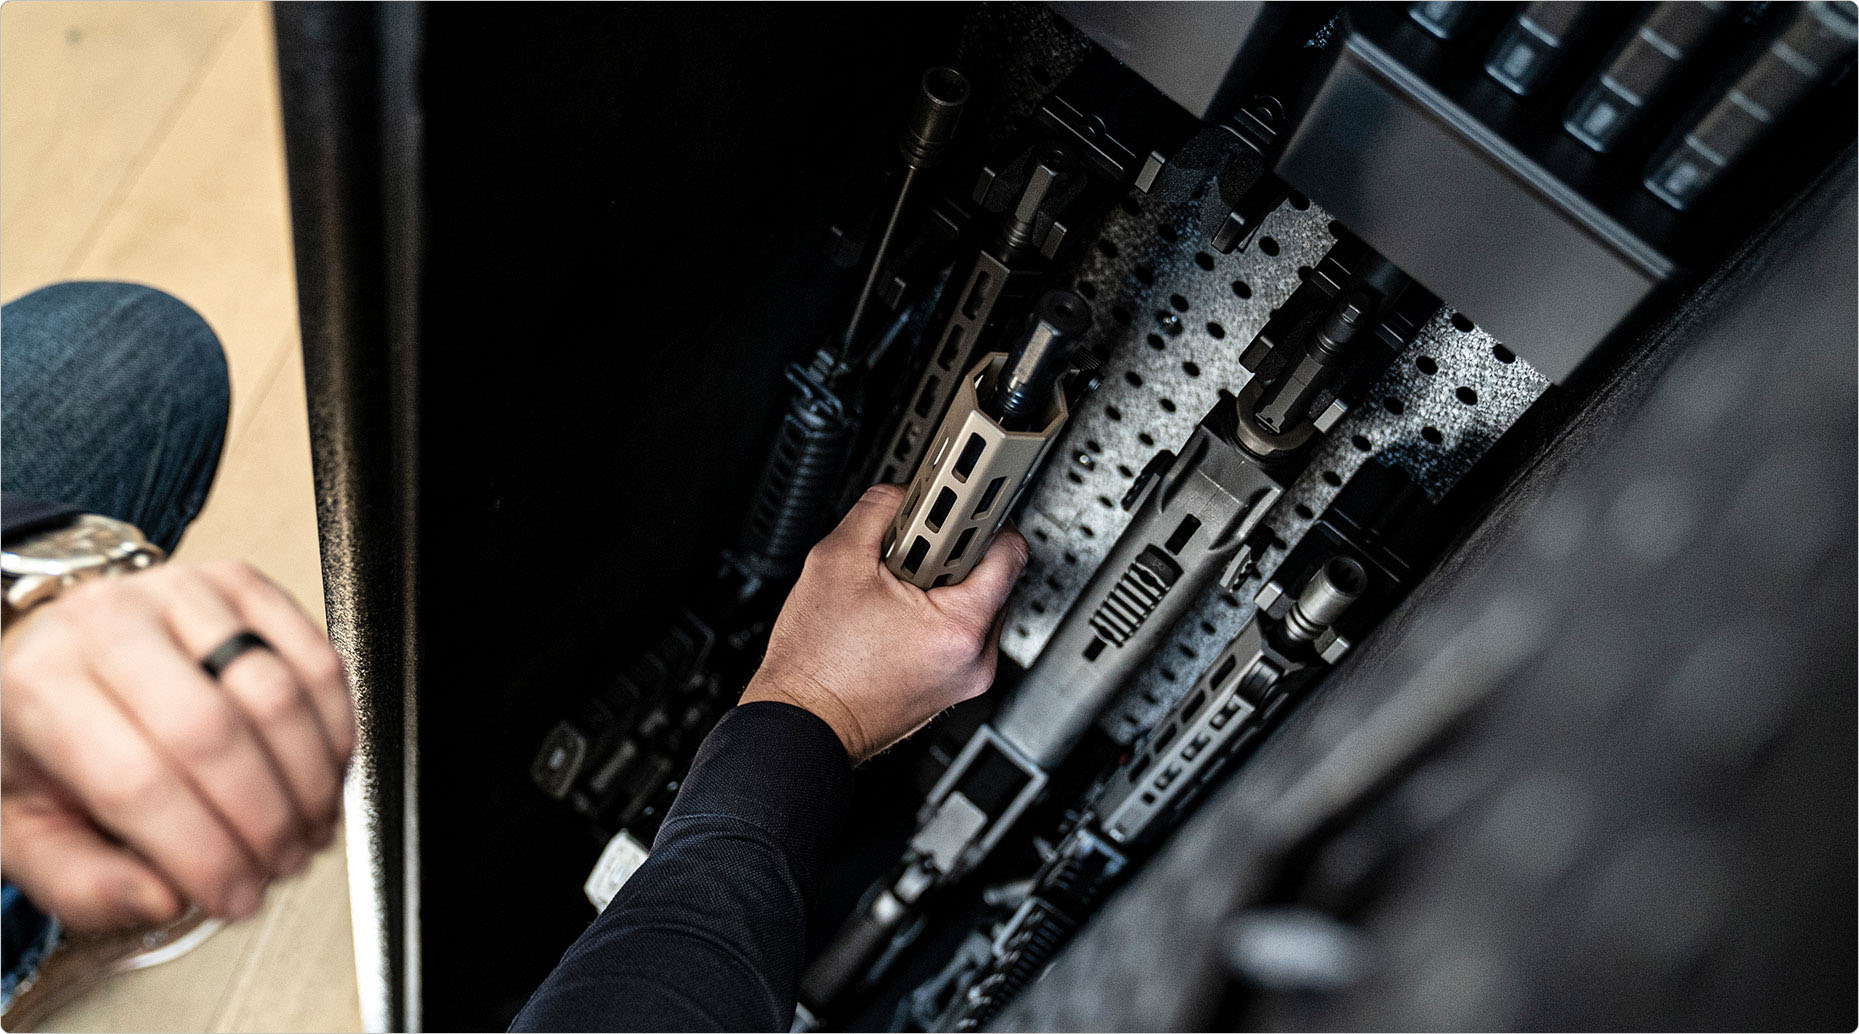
1174 320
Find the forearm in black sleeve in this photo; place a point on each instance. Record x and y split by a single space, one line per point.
709 933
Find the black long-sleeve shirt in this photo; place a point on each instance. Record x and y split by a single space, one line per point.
709 933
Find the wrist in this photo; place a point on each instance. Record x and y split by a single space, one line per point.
815 699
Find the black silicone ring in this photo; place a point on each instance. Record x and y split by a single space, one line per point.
225 653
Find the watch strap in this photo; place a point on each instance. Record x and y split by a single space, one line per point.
22 516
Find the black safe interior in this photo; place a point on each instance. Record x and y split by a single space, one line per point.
625 219
555 333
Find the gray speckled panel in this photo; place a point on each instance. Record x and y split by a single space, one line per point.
1431 408
1436 409
1176 330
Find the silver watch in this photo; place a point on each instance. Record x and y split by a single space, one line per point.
41 567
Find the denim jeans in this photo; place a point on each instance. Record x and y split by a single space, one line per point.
113 400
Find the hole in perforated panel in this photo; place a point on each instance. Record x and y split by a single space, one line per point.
1054 584
1120 314
1135 379
1070 557
1087 289
1038 607
1021 631
1361 443
1336 229
1093 649
1463 322
1145 437
1224 671
986 505
945 501
1502 354
1187 651
1204 260
1074 477
1268 245
951 347
977 293
928 396
1168 674
1242 289
1216 331
1144 275
1040 534
1303 511
914 559
1178 303
1297 200
1192 706
971 455
1085 530
1148 797
1125 471
1431 434
1229 599
1190 368
1394 405
1332 479
1106 249
1426 365
1168 405
1104 501
1156 342
961 544
1303 273
1167 233
1208 627
1178 539
1113 412
1130 206
1467 395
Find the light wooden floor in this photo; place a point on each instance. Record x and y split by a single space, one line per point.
141 141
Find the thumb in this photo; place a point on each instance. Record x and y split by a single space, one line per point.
862 529
984 592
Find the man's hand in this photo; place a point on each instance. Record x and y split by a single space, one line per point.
872 656
131 783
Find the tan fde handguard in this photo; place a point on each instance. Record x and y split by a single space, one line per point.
967 483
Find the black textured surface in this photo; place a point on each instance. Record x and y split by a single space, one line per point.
1598 771
351 146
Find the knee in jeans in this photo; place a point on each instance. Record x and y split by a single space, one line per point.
182 350
169 349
